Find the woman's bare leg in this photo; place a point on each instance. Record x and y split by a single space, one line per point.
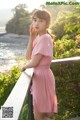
47 118
43 116
38 116
50 115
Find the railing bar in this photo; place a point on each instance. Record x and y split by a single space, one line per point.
72 59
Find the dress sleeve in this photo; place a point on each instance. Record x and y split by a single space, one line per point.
44 46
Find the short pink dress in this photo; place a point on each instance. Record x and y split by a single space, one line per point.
43 82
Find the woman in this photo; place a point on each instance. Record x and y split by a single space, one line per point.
40 52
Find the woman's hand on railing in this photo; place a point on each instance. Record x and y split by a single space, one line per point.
23 68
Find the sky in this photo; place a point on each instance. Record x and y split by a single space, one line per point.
30 3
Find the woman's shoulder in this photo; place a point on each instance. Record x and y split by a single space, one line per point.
46 37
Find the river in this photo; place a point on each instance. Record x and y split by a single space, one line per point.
12 46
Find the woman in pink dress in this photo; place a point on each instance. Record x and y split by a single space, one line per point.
40 53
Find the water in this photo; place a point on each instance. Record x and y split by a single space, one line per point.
11 47
2 29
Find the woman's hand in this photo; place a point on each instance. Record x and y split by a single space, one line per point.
32 32
23 68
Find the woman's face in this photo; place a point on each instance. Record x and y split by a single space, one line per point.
39 24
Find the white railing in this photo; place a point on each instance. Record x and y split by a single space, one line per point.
18 94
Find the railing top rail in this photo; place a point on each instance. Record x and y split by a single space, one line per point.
71 59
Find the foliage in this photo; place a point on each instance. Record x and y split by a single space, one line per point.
72 26
20 22
67 22
7 82
68 89
24 112
66 48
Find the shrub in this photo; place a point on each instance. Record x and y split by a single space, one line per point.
7 82
68 89
66 48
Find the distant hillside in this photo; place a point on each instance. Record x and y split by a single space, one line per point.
5 15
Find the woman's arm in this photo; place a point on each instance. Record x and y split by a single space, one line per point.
29 49
33 63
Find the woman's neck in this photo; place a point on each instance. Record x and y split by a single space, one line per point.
42 33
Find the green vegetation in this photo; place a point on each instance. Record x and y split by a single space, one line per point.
20 22
7 82
66 48
67 23
68 89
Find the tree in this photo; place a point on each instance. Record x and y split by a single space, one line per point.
20 22
67 22
72 26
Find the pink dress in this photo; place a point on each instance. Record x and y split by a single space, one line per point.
43 82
